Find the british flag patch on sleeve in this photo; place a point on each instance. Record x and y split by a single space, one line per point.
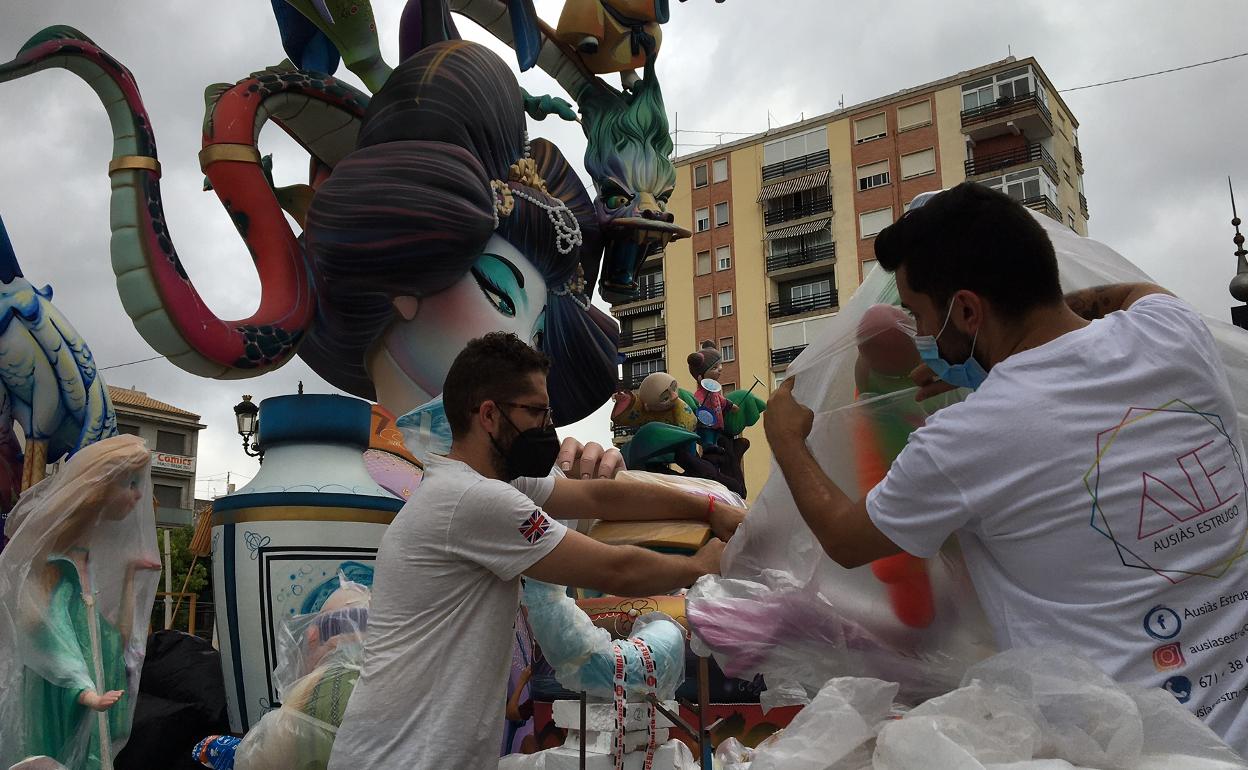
535 526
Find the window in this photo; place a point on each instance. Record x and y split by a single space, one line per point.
723 258
642 322
1070 219
642 369
170 443
918 163
795 146
703 219
699 175
728 387
780 378
167 496
706 310
810 290
704 263
873 175
1024 185
725 303
1004 86
798 333
128 430
721 214
1066 176
914 115
728 349
867 266
871 222
866 129
719 170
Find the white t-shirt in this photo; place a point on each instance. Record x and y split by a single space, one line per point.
445 595
1096 484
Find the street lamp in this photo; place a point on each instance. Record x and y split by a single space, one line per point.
247 415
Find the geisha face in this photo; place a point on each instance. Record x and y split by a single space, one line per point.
502 292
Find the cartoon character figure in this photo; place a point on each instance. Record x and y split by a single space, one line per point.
886 351
77 582
706 366
612 35
657 400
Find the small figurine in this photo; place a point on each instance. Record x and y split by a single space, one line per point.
706 366
612 35
886 351
77 582
657 400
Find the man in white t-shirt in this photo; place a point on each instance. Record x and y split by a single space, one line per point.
1095 477
447 585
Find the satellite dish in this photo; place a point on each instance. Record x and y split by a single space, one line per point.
705 416
711 386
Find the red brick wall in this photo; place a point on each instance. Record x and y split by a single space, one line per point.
715 281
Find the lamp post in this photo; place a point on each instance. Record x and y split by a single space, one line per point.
1239 284
247 416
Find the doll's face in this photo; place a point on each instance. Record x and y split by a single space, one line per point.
502 292
891 352
714 372
122 496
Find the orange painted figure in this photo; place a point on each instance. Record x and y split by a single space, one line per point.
886 355
612 35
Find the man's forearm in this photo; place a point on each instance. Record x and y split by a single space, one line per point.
1100 301
623 500
818 499
646 573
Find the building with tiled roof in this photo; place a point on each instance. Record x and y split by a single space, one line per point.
173 436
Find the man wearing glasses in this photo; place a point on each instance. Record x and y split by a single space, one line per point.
447 583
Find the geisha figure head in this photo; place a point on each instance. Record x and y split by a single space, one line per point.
445 224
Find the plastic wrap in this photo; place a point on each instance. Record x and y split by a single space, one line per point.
583 656
881 620
77 581
834 731
319 658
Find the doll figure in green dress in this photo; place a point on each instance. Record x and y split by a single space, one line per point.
77 583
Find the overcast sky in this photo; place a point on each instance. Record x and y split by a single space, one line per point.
1157 150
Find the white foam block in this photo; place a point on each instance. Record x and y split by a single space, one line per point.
600 717
597 742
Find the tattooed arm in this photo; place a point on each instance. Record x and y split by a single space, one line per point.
1099 301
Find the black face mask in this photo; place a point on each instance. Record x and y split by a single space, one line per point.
532 452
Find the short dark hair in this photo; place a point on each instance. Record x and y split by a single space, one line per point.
490 368
973 237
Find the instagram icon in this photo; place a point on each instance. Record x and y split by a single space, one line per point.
1168 656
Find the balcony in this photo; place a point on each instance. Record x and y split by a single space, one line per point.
787 213
823 301
1083 205
1044 205
649 291
794 165
1078 159
1025 113
801 257
643 336
624 431
785 356
993 164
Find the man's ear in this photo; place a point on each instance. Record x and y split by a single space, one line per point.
973 309
406 306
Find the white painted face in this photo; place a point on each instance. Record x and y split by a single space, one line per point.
502 292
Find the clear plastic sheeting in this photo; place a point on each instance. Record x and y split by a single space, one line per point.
583 655
1027 709
319 658
801 618
77 581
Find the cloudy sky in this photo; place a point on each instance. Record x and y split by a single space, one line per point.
1157 150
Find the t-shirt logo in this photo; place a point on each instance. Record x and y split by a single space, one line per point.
1168 488
535 526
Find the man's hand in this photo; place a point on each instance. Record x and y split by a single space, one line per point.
784 418
708 556
588 461
929 384
725 519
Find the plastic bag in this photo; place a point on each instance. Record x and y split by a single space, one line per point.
835 731
319 659
426 430
77 581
